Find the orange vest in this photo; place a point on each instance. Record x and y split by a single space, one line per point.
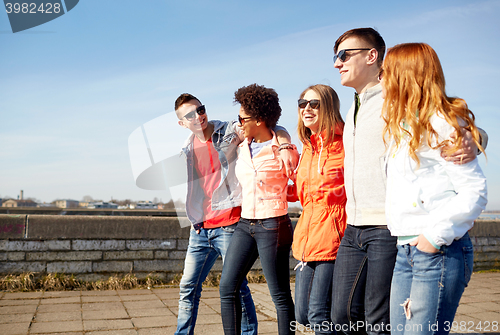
320 189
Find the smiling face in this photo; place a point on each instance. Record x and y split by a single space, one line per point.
198 124
355 70
310 116
248 124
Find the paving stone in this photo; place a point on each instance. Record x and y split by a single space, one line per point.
139 297
171 302
15 328
53 301
136 313
114 332
107 324
23 295
59 316
143 304
15 318
212 329
18 302
56 327
96 298
59 308
158 331
167 295
99 293
61 294
105 314
25 309
95 306
134 292
154 321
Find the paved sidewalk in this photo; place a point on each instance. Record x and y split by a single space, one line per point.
148 312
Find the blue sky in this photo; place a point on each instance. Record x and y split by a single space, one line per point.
73 90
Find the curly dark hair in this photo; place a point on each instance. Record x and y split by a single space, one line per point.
259 102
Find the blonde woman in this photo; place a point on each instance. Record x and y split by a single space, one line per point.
319 186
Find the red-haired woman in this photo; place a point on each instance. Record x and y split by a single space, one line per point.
430 203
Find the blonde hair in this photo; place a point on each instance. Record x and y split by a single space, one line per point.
329 113
414 85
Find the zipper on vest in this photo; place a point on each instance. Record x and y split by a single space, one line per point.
254 193
312 202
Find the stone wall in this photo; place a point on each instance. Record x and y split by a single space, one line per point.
95 247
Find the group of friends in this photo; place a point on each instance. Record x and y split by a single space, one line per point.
388 197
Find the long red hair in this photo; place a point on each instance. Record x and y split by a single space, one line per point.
414 86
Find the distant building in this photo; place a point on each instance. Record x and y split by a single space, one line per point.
66 203
18 203
45 205
102 204
144 205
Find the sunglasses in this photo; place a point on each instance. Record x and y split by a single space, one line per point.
342 54
242 120
314 103
191 115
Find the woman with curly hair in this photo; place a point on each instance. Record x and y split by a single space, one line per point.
319 186
264 229
430 203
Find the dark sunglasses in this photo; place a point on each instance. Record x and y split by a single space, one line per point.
191 115
242 120
342 55
314 103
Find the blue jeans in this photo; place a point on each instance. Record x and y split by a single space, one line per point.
362 280
203 250
270 239
432 284
313 304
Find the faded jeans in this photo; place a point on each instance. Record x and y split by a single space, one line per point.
203 250
426 287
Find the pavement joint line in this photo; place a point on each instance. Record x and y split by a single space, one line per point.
33 318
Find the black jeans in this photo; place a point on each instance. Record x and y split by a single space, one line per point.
362 280
271 240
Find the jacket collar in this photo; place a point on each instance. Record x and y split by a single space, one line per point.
218 126
266 153
317 139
